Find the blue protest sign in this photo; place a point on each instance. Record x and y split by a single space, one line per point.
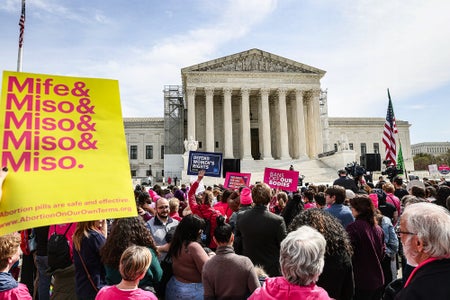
211 162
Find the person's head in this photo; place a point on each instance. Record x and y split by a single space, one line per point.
144 200
207 198
398 182
134 263
83 230
430 192
363 209
425 232
418 191
335 194
261 194
411 199
124 233
338 242
308 196
223 233
187 231
174 204
234 201
162 209
342 173
320 199
245 197
388 187
282 198
441 194
9 250
225 195
302 256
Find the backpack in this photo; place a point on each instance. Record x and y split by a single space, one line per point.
58 251
206 234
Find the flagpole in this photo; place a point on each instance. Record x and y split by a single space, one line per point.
21 34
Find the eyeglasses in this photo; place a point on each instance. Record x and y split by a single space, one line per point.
398 231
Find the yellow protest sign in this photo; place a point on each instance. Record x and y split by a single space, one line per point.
63 141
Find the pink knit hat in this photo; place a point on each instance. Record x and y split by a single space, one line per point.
246 196
153 195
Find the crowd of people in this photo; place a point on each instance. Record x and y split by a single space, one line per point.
349 240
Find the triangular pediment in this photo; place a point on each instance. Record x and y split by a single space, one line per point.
253 60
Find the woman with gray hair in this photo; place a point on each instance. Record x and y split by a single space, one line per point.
302 260
425 234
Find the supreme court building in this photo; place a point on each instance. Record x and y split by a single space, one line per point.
254 105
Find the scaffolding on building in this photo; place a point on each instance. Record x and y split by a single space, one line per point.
173 119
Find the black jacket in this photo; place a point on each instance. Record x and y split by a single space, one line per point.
262 232
429 282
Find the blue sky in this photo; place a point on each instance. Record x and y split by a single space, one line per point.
365 46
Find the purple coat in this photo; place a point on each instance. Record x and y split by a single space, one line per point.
368 252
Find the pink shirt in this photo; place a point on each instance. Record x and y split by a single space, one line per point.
112 292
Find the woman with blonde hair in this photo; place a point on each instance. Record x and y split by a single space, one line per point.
134 263
126 232
87 240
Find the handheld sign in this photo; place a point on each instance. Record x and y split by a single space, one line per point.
63 142
211 162
281 179
236 180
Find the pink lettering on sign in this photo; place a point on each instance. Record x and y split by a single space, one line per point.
281 179
32 119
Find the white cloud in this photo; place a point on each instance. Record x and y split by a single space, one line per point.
144 73
400 45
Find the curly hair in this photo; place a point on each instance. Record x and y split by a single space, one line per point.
9 244
125 232
338 242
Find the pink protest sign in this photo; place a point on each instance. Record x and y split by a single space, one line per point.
281 179
236 180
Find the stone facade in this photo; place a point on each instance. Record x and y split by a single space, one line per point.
254 105
364 135
145 144
433 148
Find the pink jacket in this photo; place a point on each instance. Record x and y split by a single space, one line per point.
18 293
278 288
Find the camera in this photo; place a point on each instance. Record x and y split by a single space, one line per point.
354 169
391 170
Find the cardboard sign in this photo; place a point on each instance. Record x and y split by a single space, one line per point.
236 180
211 162
281 179
63 142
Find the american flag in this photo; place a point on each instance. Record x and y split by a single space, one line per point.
22 24
390 131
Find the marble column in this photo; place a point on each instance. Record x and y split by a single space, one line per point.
209 111
311 127
245 124
318 122
264 125
283 137
300 126
227 124
191 113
